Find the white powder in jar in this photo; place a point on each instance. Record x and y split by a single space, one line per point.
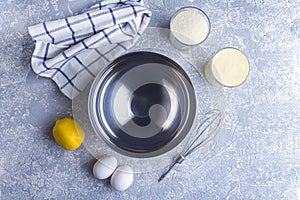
190 26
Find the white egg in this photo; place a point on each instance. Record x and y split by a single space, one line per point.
122 178
104 167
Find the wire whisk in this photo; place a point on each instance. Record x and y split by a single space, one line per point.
209 126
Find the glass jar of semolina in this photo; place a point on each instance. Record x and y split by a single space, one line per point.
189 26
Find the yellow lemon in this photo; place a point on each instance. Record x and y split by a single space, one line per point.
68 133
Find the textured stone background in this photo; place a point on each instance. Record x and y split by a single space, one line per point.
256 157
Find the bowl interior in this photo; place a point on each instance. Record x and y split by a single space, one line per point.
142 105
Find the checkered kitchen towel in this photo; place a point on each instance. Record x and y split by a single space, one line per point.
73 50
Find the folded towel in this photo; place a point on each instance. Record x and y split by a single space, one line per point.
73 50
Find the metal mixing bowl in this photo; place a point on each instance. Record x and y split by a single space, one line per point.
142 105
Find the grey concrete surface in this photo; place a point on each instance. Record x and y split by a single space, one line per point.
257 155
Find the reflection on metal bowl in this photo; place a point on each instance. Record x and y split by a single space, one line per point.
142 105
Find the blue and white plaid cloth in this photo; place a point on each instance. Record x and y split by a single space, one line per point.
73 50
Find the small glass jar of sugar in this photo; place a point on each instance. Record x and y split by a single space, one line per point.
229 67
189 26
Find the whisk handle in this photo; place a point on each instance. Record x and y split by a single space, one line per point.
180 158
